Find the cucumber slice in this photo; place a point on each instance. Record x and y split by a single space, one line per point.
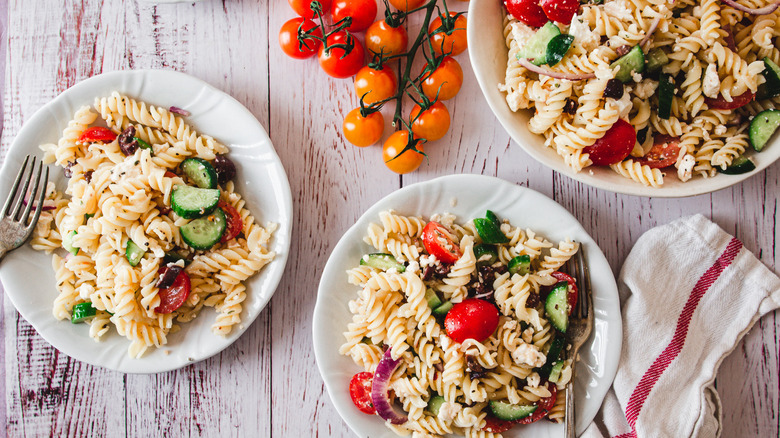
762 128
382 261
555 373
67 243
520 265
485 254
143 145
134 253
489 232
201 172
433 300
81 312
510 412
174 256
656 59
557 48
192 202
630 63
535 49
434 404
553 354
771 87
443 309
557 306
493 217
740 165
665 95
203 233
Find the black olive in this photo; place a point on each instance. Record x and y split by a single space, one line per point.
622 50
225 169
641 136
570 107
168 275
614 89
67 171
88 176
127 142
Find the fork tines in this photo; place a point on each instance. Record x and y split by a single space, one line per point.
13 205
578 268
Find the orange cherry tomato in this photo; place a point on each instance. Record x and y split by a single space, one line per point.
382 38
406 5
452 40
446 80
432 124
363 131
406 162
374 85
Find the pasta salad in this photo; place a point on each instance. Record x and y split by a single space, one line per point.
461 324
647 87
152 225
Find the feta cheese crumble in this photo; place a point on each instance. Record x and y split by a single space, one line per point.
711 83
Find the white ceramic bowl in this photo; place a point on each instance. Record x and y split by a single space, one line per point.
488 54
28 277
474 194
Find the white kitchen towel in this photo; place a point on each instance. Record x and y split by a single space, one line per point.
689 292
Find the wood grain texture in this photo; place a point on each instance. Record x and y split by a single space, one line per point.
267 383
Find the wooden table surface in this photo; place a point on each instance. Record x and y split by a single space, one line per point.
267 383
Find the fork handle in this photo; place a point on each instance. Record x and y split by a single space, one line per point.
569 418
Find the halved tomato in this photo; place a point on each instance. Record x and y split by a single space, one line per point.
438 243
664 152
573 291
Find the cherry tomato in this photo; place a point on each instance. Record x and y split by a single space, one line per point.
360 391
432 124
736 101
527 11
560 10
614 146
572 296
446 80
234 222
450 41
339 63
97 134
374 85
548 403
363 131
406 162
406 5
471 319
362 12
170 174
497 425
664 152
172 297
382 38
303 7
438 243
288 38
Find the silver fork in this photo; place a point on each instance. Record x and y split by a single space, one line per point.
580 326
15 224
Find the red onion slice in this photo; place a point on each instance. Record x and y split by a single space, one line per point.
759 11
179 111
384 371
48 204
554 74
650 31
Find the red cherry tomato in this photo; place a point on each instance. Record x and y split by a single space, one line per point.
288 38
527 11
560 10
97 134
438 243
360 391
303 7
548 403
471 319
538 414
172 297
497 425
339 63
573 294
362 12
614 146
234 222
170 174
664 152
736 101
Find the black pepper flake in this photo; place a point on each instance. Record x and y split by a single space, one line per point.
614 89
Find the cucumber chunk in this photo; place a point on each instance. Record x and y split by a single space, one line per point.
553 354
557 48
557 306
630 63
443 309
493 217
204 232
200 172
762 127
740 165
535 49
434 404
433 300
134 253
555 374
656 59
485 254
192 202
82 311
771 87
510 412
520 265
174 257
143 145
67 243
489 232
382 261
665 95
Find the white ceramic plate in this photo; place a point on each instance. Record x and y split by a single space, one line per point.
488 54
28 277
473 195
